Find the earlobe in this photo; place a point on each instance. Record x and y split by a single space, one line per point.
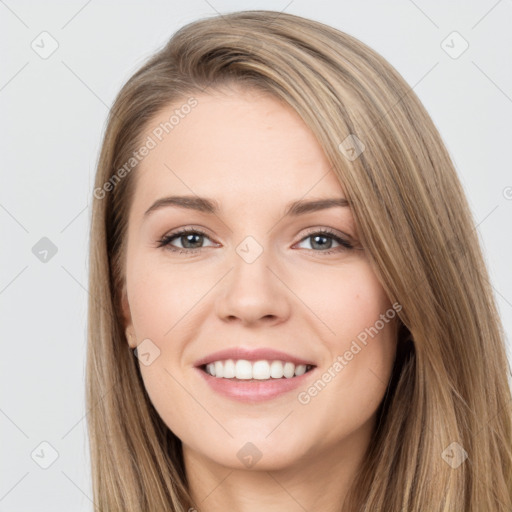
130 337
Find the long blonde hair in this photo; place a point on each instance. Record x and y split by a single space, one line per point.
450 379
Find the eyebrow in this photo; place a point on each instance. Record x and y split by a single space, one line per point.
210 206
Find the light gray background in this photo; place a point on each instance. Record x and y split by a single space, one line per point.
53 113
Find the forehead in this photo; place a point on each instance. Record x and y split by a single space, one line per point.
238 146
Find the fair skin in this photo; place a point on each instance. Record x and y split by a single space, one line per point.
254 155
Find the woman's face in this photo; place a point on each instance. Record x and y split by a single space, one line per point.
255 278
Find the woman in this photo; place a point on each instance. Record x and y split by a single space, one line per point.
289 306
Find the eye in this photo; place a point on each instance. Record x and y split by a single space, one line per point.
323 239
191 240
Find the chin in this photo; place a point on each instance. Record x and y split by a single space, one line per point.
256 455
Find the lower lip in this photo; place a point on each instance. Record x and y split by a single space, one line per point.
254 390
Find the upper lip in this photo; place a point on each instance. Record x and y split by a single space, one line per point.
257 354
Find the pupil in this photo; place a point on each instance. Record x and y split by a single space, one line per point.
315 238
188 239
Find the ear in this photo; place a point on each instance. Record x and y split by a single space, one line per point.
127 319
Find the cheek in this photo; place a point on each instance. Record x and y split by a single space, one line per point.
160 296
162 301
361 341
349 301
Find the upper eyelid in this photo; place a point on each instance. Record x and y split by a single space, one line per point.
309 231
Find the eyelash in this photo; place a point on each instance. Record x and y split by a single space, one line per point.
167 239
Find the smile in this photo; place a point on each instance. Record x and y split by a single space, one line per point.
253 390
243 369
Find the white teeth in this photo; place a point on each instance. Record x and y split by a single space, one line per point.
210 368
289 370
276 370
259 370
229 369
243 369
300 369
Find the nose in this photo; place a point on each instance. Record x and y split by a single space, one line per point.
253 293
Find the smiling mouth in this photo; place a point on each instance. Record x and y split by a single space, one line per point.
242 370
